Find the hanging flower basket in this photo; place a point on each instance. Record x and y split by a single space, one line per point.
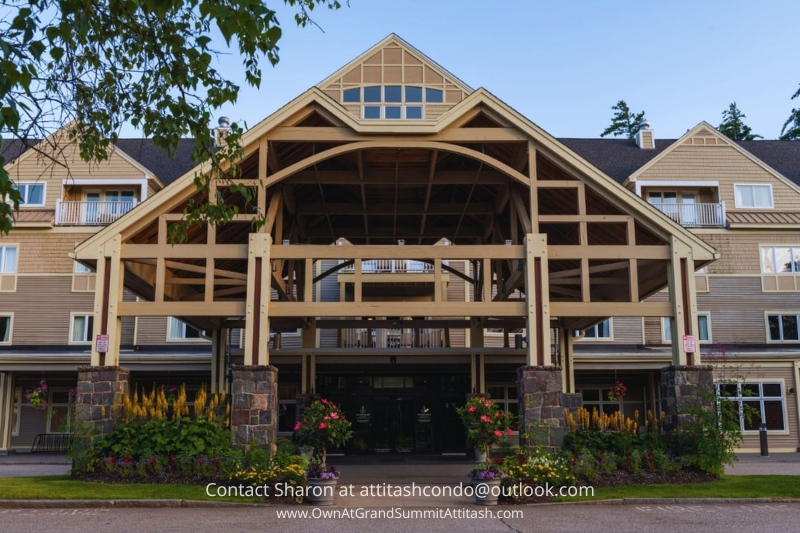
37 396
617 392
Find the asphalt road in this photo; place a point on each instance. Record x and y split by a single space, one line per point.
722 518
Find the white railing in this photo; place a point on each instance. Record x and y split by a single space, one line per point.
694 215
378 266
90 213
392 338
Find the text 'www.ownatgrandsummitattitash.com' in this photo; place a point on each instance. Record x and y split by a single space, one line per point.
400 513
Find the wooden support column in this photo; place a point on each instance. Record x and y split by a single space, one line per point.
219 343
437 280
476 340
679 299
688 296
534 190
567 343
107 298
537 301
309 341
259 273
6 409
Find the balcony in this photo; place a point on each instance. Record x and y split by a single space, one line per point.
399 338
90 213
694 215
384 266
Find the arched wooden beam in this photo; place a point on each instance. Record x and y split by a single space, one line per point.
369 145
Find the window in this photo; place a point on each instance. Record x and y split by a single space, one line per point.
601 331
179 330
6 323
756 403
16 409
287 407
703 328
32 194
81 268
59 412
401 102
780 259
8 259
753 196
505 396
82 327
782 327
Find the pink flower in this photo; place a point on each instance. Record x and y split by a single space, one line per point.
324 401
297 426
509 431
326 417
485 418
322 425
498 432
472 409
335 416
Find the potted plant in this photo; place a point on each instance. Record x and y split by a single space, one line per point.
323 425
37 396
486 424
617 392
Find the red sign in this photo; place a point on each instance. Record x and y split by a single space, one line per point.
101 344
689 344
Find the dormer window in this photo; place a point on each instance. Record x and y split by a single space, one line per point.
392 102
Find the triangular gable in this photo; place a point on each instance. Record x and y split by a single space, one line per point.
62 136
704 134
175 193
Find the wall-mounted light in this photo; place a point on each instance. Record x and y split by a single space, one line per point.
401 242
508 242
286 241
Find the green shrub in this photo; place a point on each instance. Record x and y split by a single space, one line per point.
184 437
707 442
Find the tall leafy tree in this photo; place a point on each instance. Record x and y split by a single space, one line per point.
791 128
98 64
624 123
733 126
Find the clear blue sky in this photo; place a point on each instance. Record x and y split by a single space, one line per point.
564 64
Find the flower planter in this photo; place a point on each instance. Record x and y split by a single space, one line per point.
480 455
321 492
489 490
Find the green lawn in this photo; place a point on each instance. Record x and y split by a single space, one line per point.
727 487
63 488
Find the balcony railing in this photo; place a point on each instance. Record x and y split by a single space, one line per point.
392 338
694 215
380 266
90 213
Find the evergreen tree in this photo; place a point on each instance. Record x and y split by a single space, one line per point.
733 126
624 123
791 128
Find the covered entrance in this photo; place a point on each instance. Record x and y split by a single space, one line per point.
401 411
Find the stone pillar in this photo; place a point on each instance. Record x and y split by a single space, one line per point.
542 405
100 388
682 388
254 415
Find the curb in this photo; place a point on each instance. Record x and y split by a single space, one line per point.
120 504
176 504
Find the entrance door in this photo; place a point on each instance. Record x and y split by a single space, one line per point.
92 211
401 425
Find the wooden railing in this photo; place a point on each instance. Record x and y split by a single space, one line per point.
694 215
90 213
392 338
379 266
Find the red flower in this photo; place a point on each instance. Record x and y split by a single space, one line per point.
498 433
485 418
335 416
297 426
472 409
324 401
322 425
509 431
326 417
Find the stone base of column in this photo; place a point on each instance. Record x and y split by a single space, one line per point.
254 412
542 404
684 388
100 391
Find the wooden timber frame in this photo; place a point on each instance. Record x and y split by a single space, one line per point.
552 242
